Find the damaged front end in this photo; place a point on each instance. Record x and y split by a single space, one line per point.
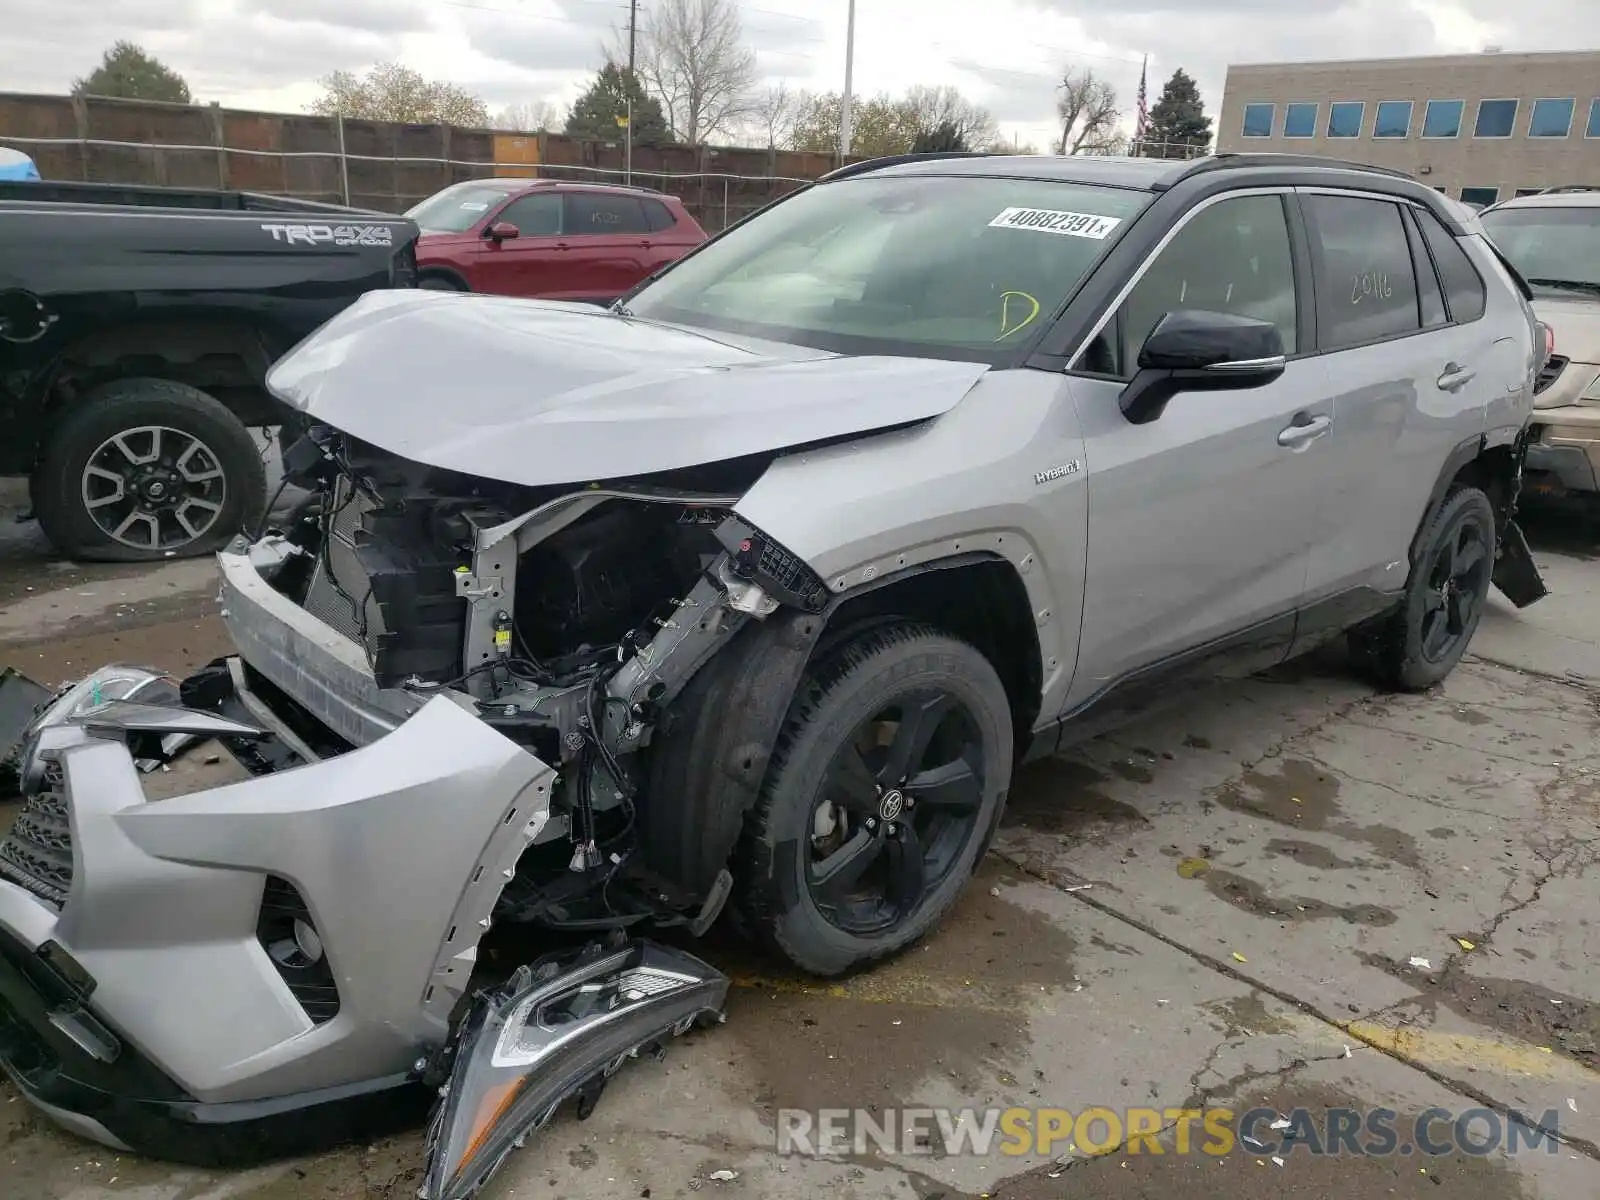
439 721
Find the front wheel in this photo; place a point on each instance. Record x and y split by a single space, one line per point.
887 784
147 469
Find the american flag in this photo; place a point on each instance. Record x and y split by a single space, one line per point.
1144 108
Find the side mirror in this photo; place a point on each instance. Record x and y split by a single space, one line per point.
502 231
1193 351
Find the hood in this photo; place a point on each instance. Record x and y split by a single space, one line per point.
541 393
1576 323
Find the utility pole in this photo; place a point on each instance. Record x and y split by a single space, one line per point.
627 142
849 71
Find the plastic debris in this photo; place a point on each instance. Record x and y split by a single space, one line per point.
723 1176
1572 1104
1237 957
1280 1123
1421 963
994 891
1251 1142
1347 1053
1466 945
1277 1160
1078 887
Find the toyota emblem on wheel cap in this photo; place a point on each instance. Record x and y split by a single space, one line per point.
891 805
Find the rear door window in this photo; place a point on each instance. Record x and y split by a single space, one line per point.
605 214
1366 287
1464 289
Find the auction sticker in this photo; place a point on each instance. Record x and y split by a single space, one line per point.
1050 220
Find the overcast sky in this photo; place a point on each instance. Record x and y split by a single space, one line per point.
1005 54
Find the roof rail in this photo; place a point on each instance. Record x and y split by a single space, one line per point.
894 160
1219 162
1567 187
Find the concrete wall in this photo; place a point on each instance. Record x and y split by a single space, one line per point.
121 141
1466 161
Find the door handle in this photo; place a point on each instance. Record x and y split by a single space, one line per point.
1304 430
1455 377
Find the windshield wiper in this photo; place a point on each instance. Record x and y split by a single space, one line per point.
1568 285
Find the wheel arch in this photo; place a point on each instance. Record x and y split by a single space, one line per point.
711 751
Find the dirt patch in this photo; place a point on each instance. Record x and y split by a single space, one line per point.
1303 795
1134 772
1134 1173
1470 716
1195 742
181 635
1312 855
1060 796
1250 896
1240 1015
889 1038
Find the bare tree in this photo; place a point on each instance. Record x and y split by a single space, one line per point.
933 108
692 58
773 114
1087 109
534 116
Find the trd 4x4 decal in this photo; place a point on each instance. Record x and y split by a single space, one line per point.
331 235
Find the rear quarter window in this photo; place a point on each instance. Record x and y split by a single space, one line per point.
658 216
1464 289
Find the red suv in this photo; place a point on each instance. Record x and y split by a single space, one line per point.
555 241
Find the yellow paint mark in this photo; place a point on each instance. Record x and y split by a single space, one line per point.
1006 328
916 990
1437 1048
1466 945
1237 957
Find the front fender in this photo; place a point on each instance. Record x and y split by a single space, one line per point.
1003 473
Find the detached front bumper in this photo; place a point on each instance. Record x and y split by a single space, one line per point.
147 999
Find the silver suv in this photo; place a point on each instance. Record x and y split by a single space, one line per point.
751 591
1553 239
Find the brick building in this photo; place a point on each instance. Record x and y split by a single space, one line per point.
1478 127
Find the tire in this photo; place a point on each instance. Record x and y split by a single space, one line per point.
925 854
440 283
190 434
1410 651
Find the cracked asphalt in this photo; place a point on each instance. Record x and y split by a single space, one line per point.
1297 897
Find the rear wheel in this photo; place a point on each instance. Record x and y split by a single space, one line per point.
147 469
1421 642
440 283
884 792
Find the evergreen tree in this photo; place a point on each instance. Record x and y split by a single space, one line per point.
599 111
1177 120
942 138
128 73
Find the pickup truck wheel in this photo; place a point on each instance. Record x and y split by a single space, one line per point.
1423 640
146 469
884 791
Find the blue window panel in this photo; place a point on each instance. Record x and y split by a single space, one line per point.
1594 119
1551 118
1258 120
1442 119
1300 120
1496 119
1393 119
1344 118
1480 195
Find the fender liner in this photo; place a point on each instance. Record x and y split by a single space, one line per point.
1515 573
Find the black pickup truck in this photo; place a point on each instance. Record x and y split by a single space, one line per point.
136 328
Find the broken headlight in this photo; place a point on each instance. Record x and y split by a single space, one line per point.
557 1030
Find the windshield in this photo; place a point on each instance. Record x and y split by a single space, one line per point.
1556 249
956 267
456 209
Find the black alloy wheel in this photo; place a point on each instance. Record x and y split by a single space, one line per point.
900 801
884 790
